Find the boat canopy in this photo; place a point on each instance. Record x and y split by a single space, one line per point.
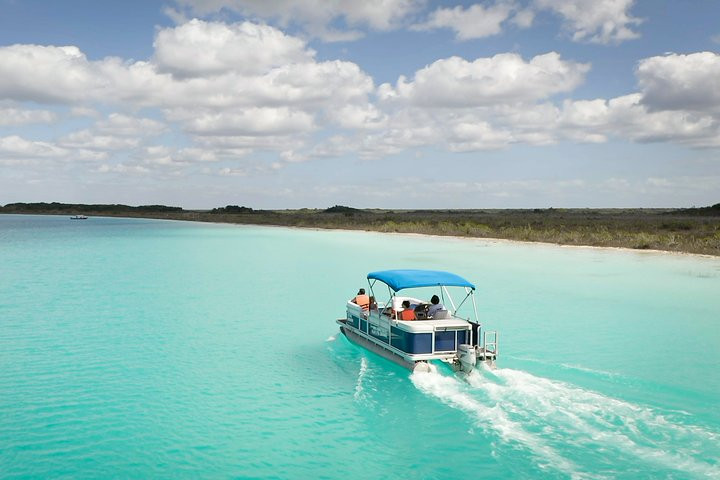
400 279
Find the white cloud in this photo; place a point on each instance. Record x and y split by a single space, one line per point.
359 116
123 168
523 18
315 15
159 155
681 82
16 150
196 155
242 98
233 172
596 21
93 141
45 74
200 48
18 147
256 81
125 125
240 145
475 21
627 117
117 132
15 116
84 112
253 121
65 75
472 135
504 78
49 74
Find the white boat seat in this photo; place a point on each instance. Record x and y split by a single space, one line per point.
397 302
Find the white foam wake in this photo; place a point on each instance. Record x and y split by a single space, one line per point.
332 338
451 391
359 385
588 420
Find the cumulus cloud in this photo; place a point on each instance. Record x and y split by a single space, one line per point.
123 168
627 117
681 82
18 147
472 135
475 21
45 74
231 90
215 80
200 48
117 132
128 126
315 16
93 141
252 121
17 116
503 78
596 21
65 75
15 149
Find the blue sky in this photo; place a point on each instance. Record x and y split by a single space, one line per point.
383 103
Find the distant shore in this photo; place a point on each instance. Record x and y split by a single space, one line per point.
671 230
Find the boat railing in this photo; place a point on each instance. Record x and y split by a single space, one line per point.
490 342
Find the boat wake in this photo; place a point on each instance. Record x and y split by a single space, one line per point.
572 430
361 375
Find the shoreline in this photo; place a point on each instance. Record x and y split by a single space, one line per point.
629 227
490 240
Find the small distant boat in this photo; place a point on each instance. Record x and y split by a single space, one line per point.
78 217
426 331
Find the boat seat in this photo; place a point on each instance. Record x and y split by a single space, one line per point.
397 302
441 314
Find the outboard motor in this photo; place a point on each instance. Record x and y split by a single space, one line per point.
467 357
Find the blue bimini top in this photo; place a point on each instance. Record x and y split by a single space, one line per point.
400 279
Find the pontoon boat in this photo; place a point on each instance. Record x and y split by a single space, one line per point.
443 335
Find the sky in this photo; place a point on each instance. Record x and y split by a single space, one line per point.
372 104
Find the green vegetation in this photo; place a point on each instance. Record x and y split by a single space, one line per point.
695 230
231 209
713 210
342 209
73 208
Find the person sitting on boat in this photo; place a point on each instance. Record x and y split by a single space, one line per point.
373 303
407 312
362 300
435 306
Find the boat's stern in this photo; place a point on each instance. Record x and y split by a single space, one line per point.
470 356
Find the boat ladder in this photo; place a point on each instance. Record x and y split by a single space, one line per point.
489 349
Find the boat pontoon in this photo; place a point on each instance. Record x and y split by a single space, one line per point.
432 335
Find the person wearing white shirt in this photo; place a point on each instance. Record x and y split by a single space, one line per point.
435 307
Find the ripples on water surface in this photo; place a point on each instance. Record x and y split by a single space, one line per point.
136 348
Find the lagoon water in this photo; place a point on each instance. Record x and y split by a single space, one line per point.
153 349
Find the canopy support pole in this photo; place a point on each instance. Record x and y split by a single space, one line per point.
449 298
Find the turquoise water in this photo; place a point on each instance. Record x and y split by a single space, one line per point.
148 349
